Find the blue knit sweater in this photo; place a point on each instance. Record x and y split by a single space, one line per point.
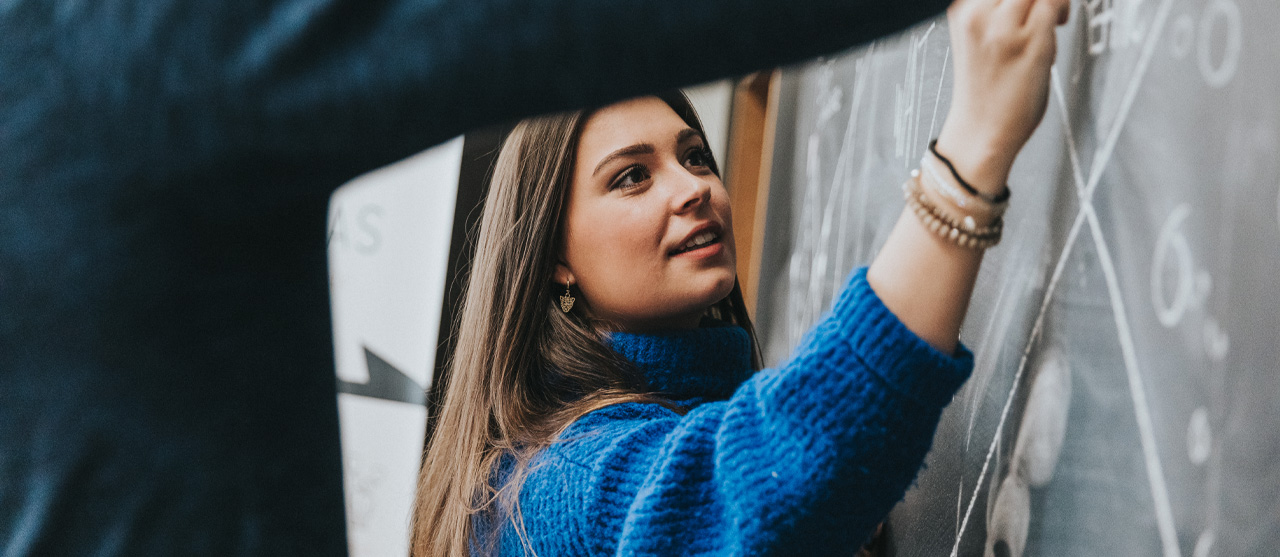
803 459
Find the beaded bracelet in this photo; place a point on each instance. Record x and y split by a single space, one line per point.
962 232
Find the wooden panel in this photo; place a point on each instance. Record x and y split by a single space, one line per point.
754 116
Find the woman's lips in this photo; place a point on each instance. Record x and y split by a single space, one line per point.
707 234
709 250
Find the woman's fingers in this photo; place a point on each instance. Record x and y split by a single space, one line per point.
1013 13
1002 51
1017 13
1041 22
984 5
1047 14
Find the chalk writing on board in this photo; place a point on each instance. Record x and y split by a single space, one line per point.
1216 341
1107 148
1035 455
1190 287
1010 519
1044 420
1172 248
1182 36
830 95
1113 24
1224 14
937 100
907 100
844 177
809 265
1204 546
1199 437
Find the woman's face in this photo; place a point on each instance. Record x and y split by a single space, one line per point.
648 231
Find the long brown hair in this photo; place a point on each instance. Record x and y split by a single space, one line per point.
523 370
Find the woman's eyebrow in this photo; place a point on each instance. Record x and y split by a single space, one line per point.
644 149
637 149
687 134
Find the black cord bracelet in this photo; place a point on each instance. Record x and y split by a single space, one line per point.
997 198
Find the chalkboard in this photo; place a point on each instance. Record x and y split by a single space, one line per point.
1126 395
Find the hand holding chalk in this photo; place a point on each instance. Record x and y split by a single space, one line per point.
1003 50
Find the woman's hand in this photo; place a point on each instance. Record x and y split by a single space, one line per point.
1003 50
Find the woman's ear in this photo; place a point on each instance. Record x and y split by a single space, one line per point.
563 275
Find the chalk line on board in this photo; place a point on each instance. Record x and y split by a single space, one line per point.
844 169
942 78
923 49
1100 160
1155 472
1076 173
1044 306
908 97
982 359
1017 376
1108 147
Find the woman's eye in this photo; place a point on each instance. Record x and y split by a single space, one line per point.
631 177
698 157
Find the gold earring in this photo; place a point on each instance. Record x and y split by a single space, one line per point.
566 301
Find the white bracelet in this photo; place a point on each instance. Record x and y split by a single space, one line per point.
962 232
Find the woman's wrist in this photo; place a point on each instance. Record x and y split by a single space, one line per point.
983 163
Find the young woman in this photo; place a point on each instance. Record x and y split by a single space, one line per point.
603 397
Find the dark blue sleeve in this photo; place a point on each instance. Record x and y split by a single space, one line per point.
166 368
802 460
369 81
427 70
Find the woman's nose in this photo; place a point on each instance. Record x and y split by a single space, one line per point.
693 191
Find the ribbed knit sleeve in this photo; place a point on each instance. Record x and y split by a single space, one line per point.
803 459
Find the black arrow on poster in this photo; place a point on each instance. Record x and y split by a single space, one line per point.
385 382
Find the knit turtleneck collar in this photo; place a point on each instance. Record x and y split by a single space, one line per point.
705 363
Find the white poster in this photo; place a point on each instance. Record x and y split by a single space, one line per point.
389 234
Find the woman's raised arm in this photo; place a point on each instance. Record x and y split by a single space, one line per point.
1003 50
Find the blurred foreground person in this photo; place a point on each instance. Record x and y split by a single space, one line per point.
166 369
